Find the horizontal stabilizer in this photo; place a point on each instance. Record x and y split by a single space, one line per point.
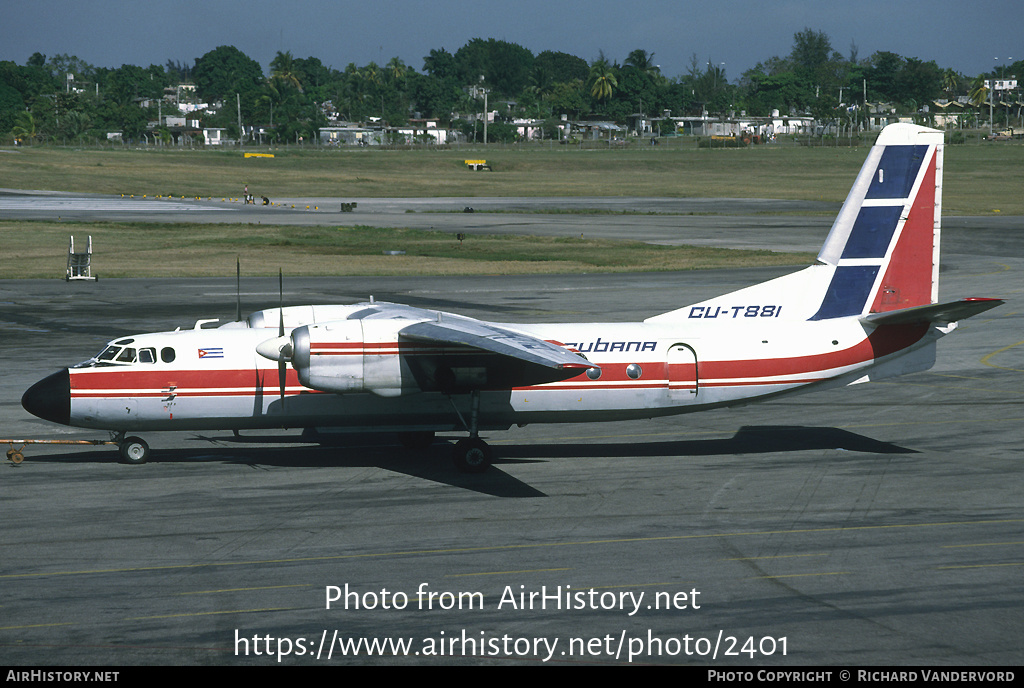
486 337
951 311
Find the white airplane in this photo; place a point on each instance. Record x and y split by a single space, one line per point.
868 309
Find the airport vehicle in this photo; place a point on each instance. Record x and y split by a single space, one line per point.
868 309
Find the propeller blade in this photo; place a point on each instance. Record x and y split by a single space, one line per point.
282 365
280 301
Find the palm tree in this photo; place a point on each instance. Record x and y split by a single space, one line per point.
643 61
282 70
979 91
25 127
602 79
397 69
950 82
371 75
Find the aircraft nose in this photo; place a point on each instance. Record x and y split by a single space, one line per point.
50 398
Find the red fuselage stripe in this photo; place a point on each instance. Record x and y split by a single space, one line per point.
239 382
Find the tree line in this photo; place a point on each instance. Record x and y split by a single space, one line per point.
63 98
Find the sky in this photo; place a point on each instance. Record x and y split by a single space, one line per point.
733 34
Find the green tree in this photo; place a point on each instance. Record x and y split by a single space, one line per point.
602 79
811 57
227 75
883 76
638 89
918 81
559 68
435 97
25 129
764 92
950 82
62 65
568 98
178 72
643 61
506 67
314 77
11 104
129 82
709 85
440 64
284 72
225 71
978 94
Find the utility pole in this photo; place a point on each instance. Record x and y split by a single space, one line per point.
238 103
485 110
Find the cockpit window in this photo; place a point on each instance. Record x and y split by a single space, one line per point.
120 355
108 354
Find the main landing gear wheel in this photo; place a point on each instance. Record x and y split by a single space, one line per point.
472 455
133 450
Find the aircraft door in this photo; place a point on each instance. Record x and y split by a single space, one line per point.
683 378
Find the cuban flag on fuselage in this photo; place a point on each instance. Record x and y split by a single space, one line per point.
212 352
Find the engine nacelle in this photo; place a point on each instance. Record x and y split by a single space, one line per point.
352 356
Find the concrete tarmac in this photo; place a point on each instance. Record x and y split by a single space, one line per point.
874 525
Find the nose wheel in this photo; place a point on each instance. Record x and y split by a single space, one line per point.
133 450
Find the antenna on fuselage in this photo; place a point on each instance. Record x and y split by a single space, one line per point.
238 289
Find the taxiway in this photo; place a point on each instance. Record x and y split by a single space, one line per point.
874 525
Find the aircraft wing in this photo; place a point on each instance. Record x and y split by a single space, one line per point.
466 332
951 311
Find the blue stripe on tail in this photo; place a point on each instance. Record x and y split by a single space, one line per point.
848 292
896 172
872 232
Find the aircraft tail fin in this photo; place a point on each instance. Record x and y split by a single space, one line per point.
882 253
884 244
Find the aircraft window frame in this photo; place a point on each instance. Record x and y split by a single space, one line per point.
634 371
167 354
119 355
108 354
594 373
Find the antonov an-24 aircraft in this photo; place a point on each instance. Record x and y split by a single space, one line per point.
867 309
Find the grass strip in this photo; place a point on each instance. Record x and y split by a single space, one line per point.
38 249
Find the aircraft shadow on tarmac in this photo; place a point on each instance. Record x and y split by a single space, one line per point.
749 439
434 463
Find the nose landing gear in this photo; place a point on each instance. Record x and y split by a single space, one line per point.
132 450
